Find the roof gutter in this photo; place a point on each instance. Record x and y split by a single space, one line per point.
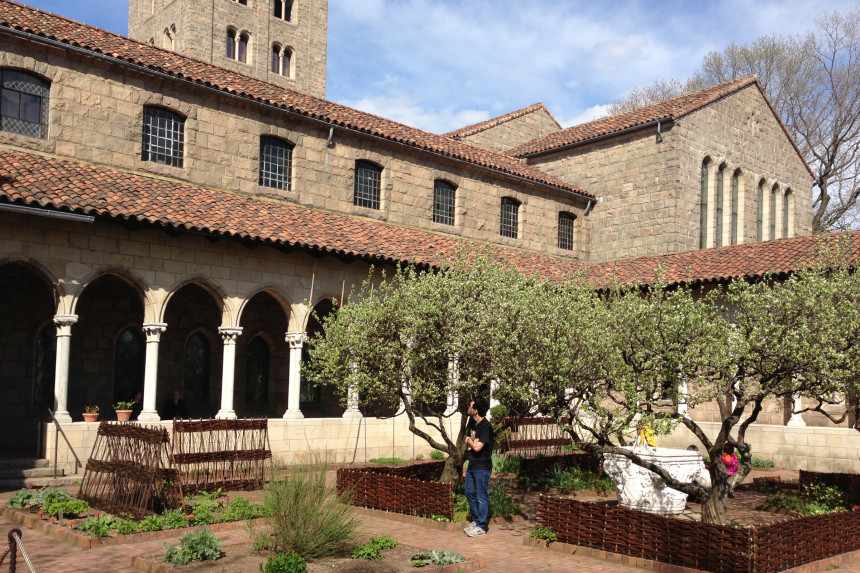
329 124
47 213
656 122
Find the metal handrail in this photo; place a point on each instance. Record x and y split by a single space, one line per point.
56 443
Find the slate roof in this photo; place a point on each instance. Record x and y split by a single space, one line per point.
490 123
70 186
666 110
149 59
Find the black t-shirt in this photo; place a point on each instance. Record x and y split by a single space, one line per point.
483 431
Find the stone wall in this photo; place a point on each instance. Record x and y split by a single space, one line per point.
650 190
509 134
96 116
199 30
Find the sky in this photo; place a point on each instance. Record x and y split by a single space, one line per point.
444 64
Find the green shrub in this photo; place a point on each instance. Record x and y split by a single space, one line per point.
151 523
173 519
541 532
575 479
816 499
262 541
501 503
69 507
387 460
285 563
202 545
204 512
367 551
762 463
238 509
437 455
126 527
96 526
434 557
505 464
20 498
308 517
498 412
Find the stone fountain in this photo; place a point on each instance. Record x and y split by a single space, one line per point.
638 488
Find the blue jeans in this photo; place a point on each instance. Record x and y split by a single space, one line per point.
477 494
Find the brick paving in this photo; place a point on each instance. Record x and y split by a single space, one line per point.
502 548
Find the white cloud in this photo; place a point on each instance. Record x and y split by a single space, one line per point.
401 108
592 113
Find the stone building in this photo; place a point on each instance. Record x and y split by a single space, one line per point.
169 217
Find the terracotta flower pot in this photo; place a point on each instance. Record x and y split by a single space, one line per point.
123 415
91 417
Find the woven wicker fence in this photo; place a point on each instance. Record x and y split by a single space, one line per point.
721 549
394 493
536 468
530 437
229 454
127 471
427 471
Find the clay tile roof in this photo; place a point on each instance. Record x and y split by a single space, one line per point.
716 265
669 109
70 186
151 59
485 125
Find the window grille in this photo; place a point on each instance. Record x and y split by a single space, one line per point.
443 202
565 231
368 177
510 218
163 136
24 104
276 158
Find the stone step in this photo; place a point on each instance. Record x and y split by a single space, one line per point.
14 473
24 463
36 482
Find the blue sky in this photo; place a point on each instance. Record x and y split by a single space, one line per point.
443 64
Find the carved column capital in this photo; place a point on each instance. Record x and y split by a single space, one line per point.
230 333
64 323
154 330
296 340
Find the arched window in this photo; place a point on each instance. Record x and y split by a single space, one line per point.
703 204
163 136
759 222
284 10
786 206
276 160
169 36
510 218
276 59
195 374
257 371
565 230
310 395
281 60
242 48
774 196
231 43
735 220
443 202
368 179
128 364
24 108
721 176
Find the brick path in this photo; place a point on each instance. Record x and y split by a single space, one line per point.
502 547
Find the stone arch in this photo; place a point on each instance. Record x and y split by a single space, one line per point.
218 294
322 401
272 290
124 274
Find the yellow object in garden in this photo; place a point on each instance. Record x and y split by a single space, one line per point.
646 434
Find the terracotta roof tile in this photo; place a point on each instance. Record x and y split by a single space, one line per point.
69 186
670 109
149 58
493 122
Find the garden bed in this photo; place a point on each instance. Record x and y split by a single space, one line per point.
763 549
242 557
375 489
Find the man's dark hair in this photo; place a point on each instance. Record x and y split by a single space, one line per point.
481 405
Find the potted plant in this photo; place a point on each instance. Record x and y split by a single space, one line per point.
91 413
123 410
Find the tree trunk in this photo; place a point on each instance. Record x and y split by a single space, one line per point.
714 509
453 469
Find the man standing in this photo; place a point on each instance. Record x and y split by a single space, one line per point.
479 442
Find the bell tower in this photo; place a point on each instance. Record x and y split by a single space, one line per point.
280 41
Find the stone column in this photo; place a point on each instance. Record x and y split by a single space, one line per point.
153 332
796 420
229 335
296 341
682 391
64 324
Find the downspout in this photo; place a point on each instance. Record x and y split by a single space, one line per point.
659 134
588 207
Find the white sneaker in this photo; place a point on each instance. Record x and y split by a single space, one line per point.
470 526
475 532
